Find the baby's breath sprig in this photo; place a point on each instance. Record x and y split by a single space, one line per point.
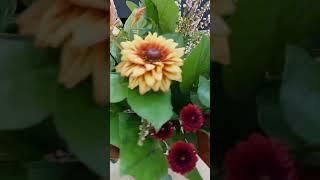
144 130
194 18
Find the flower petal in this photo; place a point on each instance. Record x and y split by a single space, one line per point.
150 80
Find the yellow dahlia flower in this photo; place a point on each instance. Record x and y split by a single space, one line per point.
151 63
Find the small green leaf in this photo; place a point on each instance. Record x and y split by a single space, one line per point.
168 13
204 91
154 107
83 126
193 65
118 88
131 5
178 38
145 162
193 175
114 129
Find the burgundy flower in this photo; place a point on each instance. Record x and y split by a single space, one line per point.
191 118
182 157
259 158
165 132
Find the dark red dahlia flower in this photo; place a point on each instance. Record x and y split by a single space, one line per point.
182 157
165 132
260 158
191 118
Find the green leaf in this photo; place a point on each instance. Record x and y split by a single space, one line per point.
145 162
7 11
272 120
114 129
194 98
193 175
193 65
255 46
40 170
168 13
154 107
28 80
27 2
131 5
300 94
204 91
84 127
177 37
118 88
151 11
12 171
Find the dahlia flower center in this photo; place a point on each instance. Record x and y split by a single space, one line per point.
152 54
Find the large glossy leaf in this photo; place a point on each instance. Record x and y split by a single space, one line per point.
255 45
84 127
300 94
154 107
196 64
118 88
145 162
28 80
272 120
167 15
204 91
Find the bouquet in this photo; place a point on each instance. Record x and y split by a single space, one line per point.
160 88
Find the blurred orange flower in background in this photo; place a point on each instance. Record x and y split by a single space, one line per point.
221 32
79 27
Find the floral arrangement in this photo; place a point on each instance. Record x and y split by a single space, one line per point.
160 87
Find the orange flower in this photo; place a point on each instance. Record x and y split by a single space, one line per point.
80 28
137 15
151 63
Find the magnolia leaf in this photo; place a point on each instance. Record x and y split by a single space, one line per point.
118 88
145 162
28 80
154 107
83 126
300 94
168 14
196 64
204 91
131 5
